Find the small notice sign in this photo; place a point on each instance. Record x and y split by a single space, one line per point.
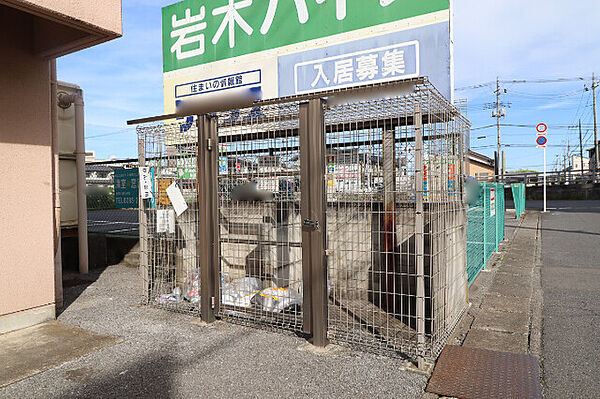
146 182
165 221
492 202
126 188
177 199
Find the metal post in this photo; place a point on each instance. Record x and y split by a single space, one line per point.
143 222
304 211
313 205
389 218
544 179
596 150
81 198
497 213
484 226
580 149
500 171
419 225
214 219
206 230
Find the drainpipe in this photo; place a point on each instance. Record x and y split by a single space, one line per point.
58 288
77 100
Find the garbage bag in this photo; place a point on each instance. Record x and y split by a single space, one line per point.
173 297
192 287
278 300
241 291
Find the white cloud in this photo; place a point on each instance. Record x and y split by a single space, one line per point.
555 105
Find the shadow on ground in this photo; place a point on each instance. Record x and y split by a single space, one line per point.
74 284
153 376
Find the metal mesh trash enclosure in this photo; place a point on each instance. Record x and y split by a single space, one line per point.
169 262
395 222
321 214
259 233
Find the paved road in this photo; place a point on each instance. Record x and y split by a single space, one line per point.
113 221
571 290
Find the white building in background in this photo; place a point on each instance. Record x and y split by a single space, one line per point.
577 163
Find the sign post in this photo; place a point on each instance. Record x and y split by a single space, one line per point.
542 142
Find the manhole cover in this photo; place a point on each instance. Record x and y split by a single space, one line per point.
470 373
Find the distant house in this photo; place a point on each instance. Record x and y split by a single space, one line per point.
479 166
99 174
577 164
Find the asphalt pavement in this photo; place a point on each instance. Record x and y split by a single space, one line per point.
162 354
571 298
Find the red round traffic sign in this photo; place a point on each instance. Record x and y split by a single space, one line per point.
541 128
541 140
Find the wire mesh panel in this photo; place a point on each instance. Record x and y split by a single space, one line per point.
500 210
106 212
518 194
260 237
485 227
170 264
395 222
476 256
394 218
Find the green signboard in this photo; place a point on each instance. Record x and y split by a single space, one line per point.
201 31
126 188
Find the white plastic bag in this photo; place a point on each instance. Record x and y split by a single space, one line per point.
240 292
278 300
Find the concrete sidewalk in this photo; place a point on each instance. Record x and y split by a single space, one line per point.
505 312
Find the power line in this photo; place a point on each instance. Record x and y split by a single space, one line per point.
522 81
108 134
528 126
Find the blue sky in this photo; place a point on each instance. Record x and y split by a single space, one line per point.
513 39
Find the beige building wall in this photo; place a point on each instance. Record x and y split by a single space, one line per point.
32 34
105 14
475 168
26 250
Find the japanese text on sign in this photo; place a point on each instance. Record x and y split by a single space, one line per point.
217 84
201 31
146 182
126 188
377 65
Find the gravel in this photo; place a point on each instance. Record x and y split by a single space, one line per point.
169 355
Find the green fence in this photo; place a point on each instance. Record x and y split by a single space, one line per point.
518 192
485 227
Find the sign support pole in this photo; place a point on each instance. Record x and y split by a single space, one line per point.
542 141
545 179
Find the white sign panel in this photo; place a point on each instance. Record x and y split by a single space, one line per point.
176 198
289 47
146 182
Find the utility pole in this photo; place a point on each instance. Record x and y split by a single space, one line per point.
596 155
580 149
568 158
499 113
